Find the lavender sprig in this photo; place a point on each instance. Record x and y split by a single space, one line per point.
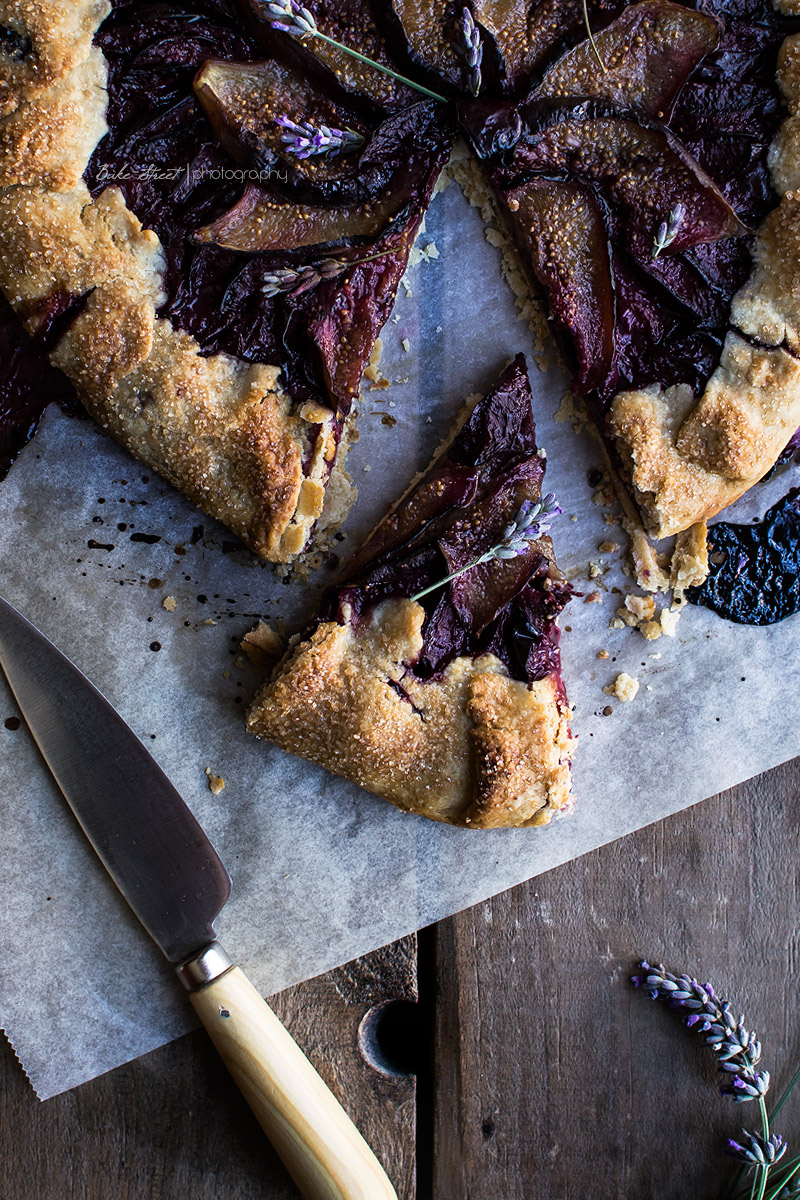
303 139
530 523
757 1151
296 280
668 230
288 16
469 46
738 1053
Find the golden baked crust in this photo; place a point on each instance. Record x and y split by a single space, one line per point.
474 748
686 461
221 430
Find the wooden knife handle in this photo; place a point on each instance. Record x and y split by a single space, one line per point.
320 1146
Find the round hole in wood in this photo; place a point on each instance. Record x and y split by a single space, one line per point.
390 1038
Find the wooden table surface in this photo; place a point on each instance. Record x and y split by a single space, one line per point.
500 1055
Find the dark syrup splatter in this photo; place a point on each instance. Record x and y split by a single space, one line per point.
755 569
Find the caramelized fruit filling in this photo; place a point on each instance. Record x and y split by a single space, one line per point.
457 511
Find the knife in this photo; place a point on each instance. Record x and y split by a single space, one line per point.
175 882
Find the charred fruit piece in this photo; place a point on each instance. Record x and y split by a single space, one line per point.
560 229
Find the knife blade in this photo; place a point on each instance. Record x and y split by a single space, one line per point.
172 877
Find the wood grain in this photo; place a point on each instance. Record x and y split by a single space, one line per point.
173 1124
556 1079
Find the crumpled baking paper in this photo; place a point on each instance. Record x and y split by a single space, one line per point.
91 546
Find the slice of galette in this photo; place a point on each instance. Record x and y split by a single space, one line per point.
431 675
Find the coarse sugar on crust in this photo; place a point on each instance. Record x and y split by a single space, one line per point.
687 460
474 748
221 430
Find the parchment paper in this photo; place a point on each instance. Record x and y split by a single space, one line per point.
322 871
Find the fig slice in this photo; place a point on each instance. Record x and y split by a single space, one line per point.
261 221
648 53
562 234
642 171
351 23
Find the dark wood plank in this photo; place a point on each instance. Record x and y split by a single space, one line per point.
556 1080
172 1124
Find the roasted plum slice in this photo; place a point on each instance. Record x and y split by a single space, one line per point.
428 33
561 232
351 23
244 103
262 221
642 170
647 53
525 33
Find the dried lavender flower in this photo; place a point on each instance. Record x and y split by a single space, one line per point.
296 280
668 230
304 140
738 1051
469 46
757 1151
530 523
288 16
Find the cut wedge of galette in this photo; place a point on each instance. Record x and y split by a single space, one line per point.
206 207
431 675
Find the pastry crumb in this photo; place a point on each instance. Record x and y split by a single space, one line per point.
593 598
608 547
642 607
406 344
595 570
669 620
650 574
689 567
624 687
216 783
169 603
262 644
208 621
602 654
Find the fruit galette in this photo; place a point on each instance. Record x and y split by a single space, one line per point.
432 674
207 206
